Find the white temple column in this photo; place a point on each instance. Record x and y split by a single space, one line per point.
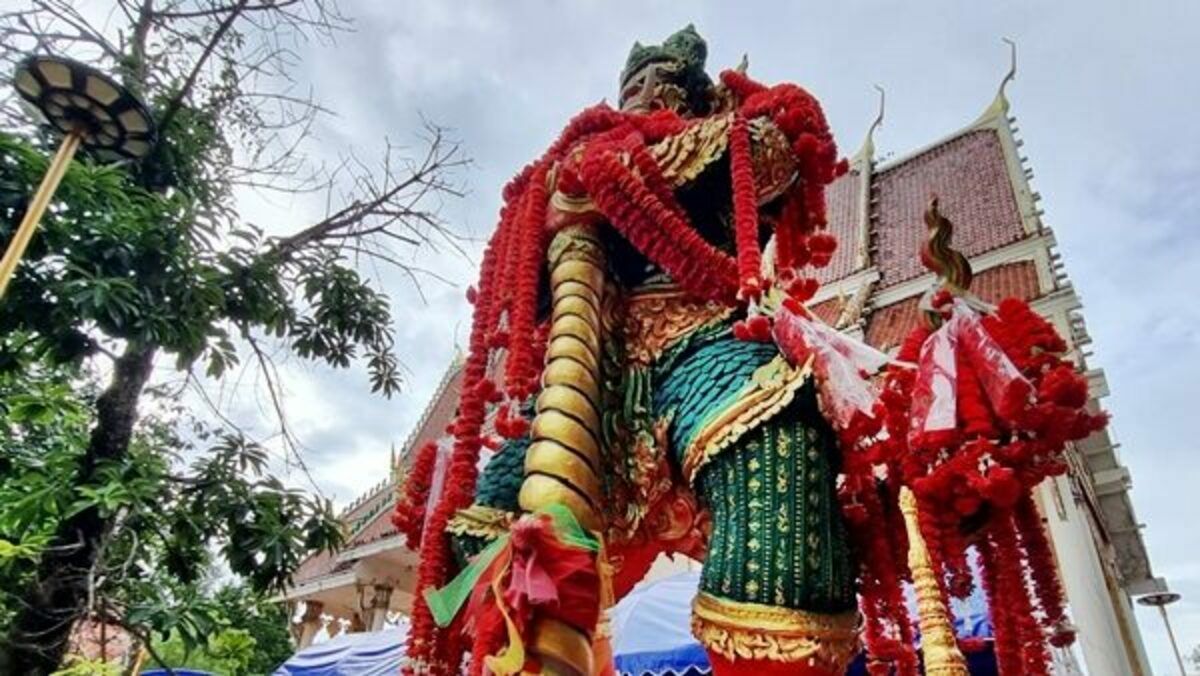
310 622
380 601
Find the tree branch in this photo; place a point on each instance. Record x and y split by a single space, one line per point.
376 207
174 104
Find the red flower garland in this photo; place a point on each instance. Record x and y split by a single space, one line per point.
1006 440
655 228
1028 644
887 631
1004 631
429 648
520 371
745 211
1043 570
799 116
409 516
440 652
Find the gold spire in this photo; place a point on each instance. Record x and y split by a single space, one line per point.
394 468
867 152
999 105
942 656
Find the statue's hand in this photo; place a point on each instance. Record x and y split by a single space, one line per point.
569 201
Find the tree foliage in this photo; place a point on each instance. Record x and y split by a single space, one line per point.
173 519
115 499
252 637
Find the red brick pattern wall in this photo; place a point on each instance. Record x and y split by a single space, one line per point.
1011 280
843 212
321 563
441 414
970 176
828 311
887 326
380 527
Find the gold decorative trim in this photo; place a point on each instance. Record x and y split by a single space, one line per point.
772 388
538 490
567 432
480 521
684 156
572 204
545 457
739 630
656 319
574 401
772 158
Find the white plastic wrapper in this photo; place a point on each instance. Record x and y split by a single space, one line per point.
843 366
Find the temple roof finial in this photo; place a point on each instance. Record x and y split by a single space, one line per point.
393 468
867 152
999 105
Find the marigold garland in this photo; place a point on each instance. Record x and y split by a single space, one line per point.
409 516
519 372
978 481
745 211
1039 560
887 631
657 229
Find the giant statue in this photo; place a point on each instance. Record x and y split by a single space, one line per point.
647 378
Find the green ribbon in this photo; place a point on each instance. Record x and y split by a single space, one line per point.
445 603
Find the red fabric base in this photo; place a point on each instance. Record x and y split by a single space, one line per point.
742 667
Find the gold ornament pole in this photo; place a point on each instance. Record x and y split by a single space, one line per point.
562 463
37 207
938 643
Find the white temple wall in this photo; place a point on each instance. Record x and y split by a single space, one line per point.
1108 645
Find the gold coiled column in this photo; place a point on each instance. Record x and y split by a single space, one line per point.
938 643
563 461
562 465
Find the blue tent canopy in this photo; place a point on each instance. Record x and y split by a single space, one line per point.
377 653
651 637
652 630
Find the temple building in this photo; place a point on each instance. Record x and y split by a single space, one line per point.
871 290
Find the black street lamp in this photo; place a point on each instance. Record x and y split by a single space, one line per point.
89 108
1161 600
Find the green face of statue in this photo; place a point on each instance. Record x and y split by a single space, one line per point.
669 76
655 86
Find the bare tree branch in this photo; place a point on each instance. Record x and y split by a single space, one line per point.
173 105
378 207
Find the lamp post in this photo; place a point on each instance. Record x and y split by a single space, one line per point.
1161 600
89 109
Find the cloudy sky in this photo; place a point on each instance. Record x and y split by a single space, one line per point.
1106 101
